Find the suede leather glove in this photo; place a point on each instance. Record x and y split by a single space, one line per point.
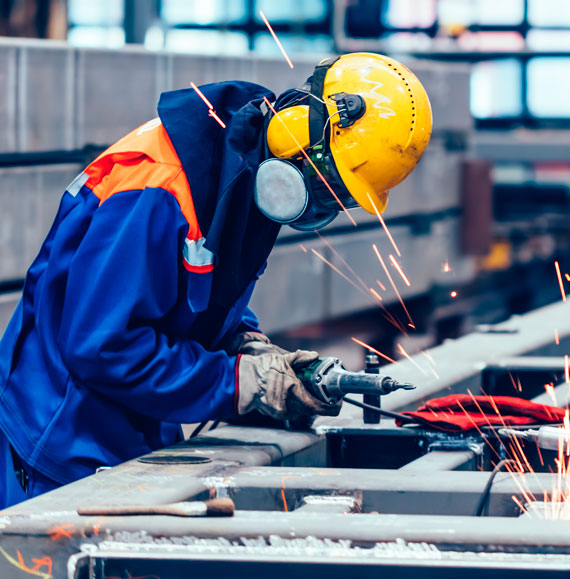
267 383
253 344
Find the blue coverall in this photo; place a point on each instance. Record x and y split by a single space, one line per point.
141 282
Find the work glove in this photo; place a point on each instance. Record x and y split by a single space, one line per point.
267 383
253 344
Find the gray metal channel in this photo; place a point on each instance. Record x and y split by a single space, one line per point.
8 89
29 198
8 303
116 92
46 98
301 285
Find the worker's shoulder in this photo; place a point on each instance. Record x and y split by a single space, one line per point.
149 140
143 159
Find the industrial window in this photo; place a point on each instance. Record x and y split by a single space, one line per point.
549 13
495 90
549 87
98 24
218 12
409 13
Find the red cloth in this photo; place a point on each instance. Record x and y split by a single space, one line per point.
462 412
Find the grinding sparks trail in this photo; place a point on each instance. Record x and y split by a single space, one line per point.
399 269
406 355
560 282
304 153
333 267
557 499
389 317
266 22
364 345
446 268
213 114
384 226
343 261
365 289
211 110
392 283
375 294
556 337
550 391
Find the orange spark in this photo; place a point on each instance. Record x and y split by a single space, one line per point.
332 266
550 391
202 96
391 281
284 500
283 479
382 286
213 114
560 281
567 277
388 315
304 153
399 269
303 247
431 364
404 353
470 418
453 294
556 337
343 261
211 110
446 268
375 294
276 39
364 345
384 226
519 504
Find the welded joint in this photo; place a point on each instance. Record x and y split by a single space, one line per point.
475 447
341 504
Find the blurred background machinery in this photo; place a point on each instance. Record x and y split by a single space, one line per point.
476 228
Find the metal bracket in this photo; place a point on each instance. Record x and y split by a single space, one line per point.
468 444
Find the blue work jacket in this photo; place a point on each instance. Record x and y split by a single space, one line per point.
117 340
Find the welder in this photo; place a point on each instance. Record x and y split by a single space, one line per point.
134 317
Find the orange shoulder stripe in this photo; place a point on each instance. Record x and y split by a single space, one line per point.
144 158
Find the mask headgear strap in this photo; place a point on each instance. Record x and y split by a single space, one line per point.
318 110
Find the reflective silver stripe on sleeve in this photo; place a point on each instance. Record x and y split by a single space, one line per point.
75 186
196 254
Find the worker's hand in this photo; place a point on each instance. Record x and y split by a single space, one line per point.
253 344
267 383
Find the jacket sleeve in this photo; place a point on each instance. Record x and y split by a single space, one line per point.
123 280
248 323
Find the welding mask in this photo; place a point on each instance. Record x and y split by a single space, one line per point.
356 129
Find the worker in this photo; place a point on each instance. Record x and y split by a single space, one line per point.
134 317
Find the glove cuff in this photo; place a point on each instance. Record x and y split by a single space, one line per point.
236 391
240 340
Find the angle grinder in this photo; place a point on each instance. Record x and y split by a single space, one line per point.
329 381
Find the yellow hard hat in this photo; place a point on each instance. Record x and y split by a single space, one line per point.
365 123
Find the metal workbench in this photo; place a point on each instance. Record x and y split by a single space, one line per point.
344 499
